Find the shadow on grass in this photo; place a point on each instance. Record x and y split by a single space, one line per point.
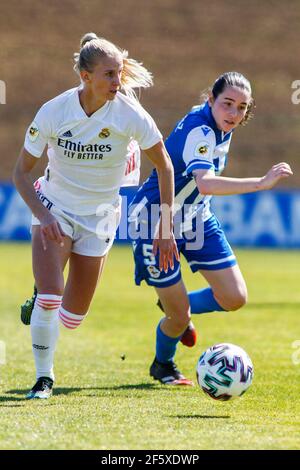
4 399
149 387
68 390
200 417
141 386
57 391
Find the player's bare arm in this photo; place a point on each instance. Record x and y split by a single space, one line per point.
209 183
50 228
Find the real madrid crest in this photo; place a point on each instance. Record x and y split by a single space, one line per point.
104 133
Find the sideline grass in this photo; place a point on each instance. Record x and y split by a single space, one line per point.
102 401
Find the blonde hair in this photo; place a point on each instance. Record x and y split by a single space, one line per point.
94 48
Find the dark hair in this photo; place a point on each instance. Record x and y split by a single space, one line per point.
238 80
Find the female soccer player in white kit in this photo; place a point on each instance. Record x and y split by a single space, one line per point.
89 130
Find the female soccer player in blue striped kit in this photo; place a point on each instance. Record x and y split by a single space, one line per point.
198 147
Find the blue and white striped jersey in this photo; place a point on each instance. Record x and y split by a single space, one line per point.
195 143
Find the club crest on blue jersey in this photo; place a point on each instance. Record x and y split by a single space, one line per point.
153 271
104 133
201 149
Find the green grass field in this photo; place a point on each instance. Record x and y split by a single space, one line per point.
104 402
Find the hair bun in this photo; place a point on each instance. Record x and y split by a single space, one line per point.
87 38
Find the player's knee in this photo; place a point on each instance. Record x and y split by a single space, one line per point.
237 299
238 303
180 320
177 313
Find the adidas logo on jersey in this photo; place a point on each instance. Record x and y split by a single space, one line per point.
67 134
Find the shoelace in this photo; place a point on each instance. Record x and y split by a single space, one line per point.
172 368
41 384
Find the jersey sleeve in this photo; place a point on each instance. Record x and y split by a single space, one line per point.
38 133
144 130
199 149
133 164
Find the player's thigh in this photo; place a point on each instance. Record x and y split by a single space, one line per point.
84 273
48 265
228 285
174 300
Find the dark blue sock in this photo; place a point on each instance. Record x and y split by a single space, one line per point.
203 301
165 345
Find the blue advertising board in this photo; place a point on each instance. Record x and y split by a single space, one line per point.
264 219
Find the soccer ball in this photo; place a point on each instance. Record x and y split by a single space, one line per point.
224 371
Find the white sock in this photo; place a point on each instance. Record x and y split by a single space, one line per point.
44 332
70 320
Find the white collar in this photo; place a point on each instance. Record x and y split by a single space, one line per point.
79 113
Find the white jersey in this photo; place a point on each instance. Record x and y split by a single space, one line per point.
89 156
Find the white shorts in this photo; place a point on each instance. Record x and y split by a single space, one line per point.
92 235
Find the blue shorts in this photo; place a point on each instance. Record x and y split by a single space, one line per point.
215 254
